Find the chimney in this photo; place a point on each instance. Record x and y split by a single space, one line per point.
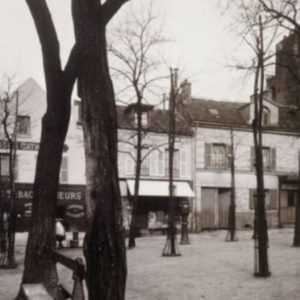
186 89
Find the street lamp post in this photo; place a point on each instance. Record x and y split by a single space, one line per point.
185 210
171 247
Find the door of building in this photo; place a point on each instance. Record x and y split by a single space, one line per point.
209 208
223 207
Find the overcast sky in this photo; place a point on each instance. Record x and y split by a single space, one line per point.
204 44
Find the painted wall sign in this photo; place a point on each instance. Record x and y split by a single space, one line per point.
26 146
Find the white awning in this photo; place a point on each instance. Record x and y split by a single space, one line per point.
156 188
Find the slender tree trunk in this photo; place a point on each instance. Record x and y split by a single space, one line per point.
104 247
133 224
260 220
38 264
296 242
231 236
170 248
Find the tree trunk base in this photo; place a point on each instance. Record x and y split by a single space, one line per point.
262 274
171 248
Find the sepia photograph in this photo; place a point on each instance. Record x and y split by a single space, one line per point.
149 149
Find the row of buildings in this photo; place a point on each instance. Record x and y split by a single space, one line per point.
201 163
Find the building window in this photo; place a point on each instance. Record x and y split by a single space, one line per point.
157 163
145 165
64 170
265 117
270 199
175 163
216 156
4 164
23 125
144 119
266 158
269 158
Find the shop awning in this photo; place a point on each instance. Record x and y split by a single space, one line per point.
156 188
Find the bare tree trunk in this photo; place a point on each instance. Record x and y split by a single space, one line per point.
39 267
133 224
38 264
296 242
171 248
231 235
260 221
104 247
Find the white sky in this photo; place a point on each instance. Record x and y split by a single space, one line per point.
204 44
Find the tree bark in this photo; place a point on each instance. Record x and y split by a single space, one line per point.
39 267
296 242
260 220
104 247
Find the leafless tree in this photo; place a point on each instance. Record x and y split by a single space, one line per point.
286 14
136 65
106 279
8 117
254 28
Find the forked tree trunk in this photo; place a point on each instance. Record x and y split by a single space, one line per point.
39 268
104 247
38 264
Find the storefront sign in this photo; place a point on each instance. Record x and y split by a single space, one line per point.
26 146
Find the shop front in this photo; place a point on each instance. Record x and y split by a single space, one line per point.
153 201
70 205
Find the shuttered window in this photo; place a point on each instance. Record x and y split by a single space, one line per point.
183 163
269 159
129 160
175 163
157 163
4 164
271 199
145 166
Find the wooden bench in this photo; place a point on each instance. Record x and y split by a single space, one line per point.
35 291
39 292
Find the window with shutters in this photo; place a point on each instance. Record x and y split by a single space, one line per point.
157 163
64 170
184 166
145 166
269 158
4 164
270 199
176 161
129 160
216 156
266 158
265 117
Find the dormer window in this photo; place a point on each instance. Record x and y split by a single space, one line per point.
265 117
144 119
214 112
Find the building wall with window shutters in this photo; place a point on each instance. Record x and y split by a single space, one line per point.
282 151
155 154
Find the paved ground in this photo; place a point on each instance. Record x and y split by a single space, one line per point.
209 268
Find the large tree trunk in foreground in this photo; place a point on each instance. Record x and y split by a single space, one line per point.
104 247
39 268
38 265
